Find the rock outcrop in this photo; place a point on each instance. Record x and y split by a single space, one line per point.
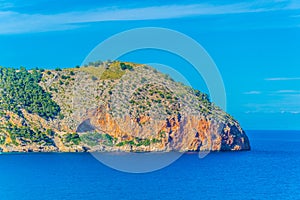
115 106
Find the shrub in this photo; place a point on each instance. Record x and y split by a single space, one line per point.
94 138
143 80
94 78
72 138
144 142
64 77
61 116
124 66
25 132
2 139
21 90
50 132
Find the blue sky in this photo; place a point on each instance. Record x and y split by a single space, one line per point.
255 45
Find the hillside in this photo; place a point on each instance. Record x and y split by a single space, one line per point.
109 106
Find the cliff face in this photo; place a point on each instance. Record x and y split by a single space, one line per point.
114 106
185 133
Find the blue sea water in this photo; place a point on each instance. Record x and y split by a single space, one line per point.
271 170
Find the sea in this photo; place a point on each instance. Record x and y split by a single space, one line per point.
271 170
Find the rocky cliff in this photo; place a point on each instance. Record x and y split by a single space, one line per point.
110 106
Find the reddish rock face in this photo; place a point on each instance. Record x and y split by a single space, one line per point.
187 133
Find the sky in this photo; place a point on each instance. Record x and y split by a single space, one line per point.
255 45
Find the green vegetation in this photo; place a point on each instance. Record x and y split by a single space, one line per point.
2 139
94 138
96 63
138 142
149 95
126 66
94 78
124 143
20 90
113 72
50 132
72 138
24 132
201 96
106 70
162 134
65 77
144 142
154 140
